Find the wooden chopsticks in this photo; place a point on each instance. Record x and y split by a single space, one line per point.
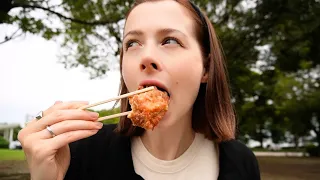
117 98
114 116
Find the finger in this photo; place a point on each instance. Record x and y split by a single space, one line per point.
30 122
70 125
61 115
71 105
58 102
64 139
58 105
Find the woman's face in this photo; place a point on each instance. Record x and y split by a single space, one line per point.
160 48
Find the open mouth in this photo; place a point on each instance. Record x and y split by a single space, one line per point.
159 88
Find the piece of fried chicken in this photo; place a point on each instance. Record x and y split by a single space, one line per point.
148 108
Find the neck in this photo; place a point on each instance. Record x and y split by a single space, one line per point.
168 143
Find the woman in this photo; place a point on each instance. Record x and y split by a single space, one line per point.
166 43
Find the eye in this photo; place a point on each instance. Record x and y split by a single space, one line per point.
131 43
171 40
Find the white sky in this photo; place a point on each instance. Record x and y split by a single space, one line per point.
32 79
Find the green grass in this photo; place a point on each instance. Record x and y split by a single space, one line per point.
7 154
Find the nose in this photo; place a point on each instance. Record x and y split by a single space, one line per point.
149 65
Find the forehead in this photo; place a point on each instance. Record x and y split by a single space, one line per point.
150 16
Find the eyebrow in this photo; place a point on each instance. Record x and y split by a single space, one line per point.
160 32
134 32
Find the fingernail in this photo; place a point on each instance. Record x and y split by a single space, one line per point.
84 102
94 114
57 102
98 124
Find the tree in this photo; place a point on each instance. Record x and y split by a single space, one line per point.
16 132
292 29
270 46
296 97
288 31
258 118
90 30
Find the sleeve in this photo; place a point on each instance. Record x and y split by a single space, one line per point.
238 161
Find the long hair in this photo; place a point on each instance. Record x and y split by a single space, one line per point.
213 114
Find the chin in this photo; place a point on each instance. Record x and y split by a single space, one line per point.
167 122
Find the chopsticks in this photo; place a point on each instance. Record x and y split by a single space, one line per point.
114 116
114 99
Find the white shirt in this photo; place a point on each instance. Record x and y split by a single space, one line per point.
199 161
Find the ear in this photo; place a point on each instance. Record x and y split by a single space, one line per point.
205 74
204 78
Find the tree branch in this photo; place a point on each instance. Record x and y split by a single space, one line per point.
61 15
6 39
57 5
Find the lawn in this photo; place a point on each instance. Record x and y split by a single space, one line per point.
13 166
7 154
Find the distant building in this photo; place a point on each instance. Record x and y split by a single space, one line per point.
7 132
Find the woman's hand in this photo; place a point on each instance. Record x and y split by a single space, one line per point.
48 156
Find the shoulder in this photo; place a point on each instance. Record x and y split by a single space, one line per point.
237 158
237 147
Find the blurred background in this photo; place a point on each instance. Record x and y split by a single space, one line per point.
68 50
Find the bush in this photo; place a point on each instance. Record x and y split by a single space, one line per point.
314 151
4 143
293 149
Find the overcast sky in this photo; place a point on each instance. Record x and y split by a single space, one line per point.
32 79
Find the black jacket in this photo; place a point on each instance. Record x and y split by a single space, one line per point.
107 155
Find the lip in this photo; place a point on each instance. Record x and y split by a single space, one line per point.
151 82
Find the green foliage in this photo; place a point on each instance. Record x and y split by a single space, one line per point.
103 113
16 132
313 151
272 50
4 143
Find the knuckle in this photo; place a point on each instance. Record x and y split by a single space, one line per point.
69 135
85 116
57 102
21 135
58 114
91 125
27 144
66 124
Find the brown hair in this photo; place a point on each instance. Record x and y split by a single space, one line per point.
213 113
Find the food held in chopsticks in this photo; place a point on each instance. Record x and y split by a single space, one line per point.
148 105
114 99
148 108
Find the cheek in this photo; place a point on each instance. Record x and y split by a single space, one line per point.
188 78
129 74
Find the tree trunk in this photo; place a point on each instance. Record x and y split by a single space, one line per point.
260 136
318 138
296 141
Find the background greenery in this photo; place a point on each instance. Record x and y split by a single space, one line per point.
271 46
